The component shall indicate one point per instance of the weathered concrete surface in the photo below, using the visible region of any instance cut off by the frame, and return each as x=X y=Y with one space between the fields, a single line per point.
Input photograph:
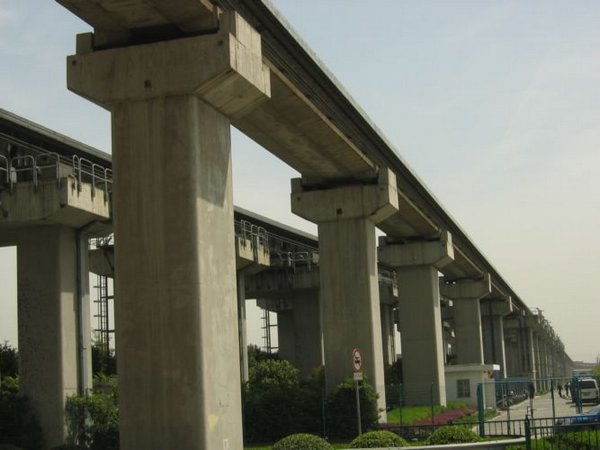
x=416 y=266
x=350 y=314
x=467 y=316
x=299 y=332
x=47 y=317
x=176 y=318
x=53 y=202
x=492 y=322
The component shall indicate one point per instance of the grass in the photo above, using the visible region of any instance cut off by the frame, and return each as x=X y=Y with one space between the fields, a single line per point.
x=412 y=414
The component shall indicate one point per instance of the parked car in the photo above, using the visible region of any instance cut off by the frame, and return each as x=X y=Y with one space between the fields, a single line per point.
x=590 y=418
x=589 y=390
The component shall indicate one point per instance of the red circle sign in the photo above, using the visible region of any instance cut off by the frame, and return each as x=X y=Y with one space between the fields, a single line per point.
x=356 y=360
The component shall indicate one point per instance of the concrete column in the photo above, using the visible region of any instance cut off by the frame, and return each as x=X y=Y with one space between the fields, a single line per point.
x=175 y=271
x=350 y=312
x=494 y=351
x=242 y=333
x=387 y=334
x=467 y=316
x=47 y=319
x=511 y=345
x=417 y=265
x=529 y=352
x=299 y=332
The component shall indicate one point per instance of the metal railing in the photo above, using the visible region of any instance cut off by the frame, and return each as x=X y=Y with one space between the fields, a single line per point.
x=96 y=175
x=33 y=165
x=550 y=436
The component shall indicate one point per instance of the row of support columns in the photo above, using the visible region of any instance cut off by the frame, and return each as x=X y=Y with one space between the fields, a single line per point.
x=176 y=281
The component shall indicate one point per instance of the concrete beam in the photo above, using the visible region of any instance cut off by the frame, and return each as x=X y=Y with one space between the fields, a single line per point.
x=437 y=253
x=60 y=203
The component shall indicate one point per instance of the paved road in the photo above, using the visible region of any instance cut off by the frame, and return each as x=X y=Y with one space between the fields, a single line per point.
x=542 y=407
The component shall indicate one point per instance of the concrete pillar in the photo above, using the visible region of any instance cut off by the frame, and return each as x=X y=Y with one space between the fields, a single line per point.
x=467 y=316
x=350 y=312
x=387 y=334
x=175 y=272
x=529 y=351
x=299 y=332
x=494 y=351
x=511 y=345
x=47 y=319
x=417 y=265
x=242 y=333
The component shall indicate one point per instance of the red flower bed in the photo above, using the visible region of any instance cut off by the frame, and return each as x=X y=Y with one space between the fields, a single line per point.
x=446 y=417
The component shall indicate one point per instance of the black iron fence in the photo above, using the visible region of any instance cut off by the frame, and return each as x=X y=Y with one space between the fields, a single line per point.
x=540 y=434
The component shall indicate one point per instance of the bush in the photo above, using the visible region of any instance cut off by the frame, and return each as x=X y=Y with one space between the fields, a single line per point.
x=302 y=441
x=452 y=435
x=9 y=361
x=341 y=409
x=377 y=439
x=93 y=421
x=276 y=405
x=273 y=373
x=18 y=422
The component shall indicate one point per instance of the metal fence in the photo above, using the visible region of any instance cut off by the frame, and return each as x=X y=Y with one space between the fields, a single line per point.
x=550 y=436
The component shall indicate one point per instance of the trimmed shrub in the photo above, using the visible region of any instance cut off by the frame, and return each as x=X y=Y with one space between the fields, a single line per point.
x=452 y=435
x=341 y=409
x=272 y=414
x=302 y=441
x=378 y=439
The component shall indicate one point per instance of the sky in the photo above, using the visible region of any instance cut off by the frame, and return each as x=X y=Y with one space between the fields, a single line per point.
x=494 y=104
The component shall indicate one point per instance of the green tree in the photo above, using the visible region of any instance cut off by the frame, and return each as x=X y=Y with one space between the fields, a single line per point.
x=341 y=409
x=276 y=404
x=271 y=373
x=9 y=361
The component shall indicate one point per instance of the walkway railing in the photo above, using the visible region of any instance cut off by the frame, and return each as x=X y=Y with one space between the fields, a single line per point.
x=33 y=166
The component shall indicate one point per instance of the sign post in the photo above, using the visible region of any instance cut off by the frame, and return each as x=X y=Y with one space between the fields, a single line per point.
x=356 y=367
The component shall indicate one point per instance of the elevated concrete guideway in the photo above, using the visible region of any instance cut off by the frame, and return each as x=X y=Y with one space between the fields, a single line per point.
x=175 y=75
x=309 y=121
x=299 y=326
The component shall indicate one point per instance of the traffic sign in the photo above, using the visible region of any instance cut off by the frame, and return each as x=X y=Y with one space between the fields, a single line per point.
x=356 y=360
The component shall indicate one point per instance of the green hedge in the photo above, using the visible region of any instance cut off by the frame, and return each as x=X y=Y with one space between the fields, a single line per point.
x=377 y=439
x=452 y=435
x=341 y=410
x=302 y=441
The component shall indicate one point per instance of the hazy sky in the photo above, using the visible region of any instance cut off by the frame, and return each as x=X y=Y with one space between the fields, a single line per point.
x=494 y=104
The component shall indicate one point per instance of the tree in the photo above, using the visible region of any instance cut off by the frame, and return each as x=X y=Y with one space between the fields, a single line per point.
x=9 y=361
